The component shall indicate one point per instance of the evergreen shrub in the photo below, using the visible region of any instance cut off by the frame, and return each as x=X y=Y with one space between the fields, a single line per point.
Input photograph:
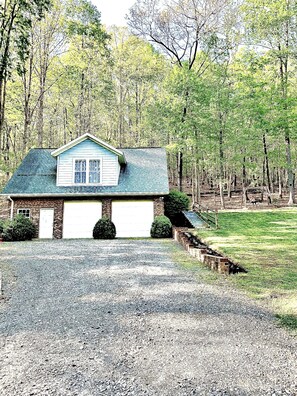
x=174 y=203
x=104 y=229
x=19 y=229
x=161 y=227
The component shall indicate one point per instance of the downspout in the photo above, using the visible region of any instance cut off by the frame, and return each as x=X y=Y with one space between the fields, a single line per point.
x=11 y=207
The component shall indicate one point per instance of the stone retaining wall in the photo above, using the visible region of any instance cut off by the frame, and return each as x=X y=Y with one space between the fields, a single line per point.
x=214 y=261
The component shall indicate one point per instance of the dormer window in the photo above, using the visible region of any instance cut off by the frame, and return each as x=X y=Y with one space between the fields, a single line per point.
x=88 y=161
x=94 y=171
x=87 y=171
x=80 y=173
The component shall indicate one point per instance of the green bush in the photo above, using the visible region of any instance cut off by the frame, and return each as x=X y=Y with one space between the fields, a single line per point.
x=161 y=227
x=1 y=226
x=174 y=203
x=19 y=229
x=104 y=229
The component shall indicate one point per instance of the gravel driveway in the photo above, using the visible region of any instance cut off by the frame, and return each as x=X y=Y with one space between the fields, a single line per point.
x=121 y=317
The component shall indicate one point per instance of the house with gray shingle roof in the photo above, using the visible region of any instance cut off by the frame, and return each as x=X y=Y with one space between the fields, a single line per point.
x=65 y=191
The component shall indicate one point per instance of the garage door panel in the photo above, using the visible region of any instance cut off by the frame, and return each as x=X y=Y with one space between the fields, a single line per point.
x=80 y=218
x=133 y=218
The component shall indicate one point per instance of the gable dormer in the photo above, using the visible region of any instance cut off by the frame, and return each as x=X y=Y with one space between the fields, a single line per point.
x=88 y=161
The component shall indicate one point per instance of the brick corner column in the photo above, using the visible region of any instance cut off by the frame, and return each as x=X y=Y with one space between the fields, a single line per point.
x=158 y=206
x=58 y=219
x=106 y=207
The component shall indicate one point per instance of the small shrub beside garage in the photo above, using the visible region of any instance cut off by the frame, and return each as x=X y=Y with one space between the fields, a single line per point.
x=161 y=227
x=1 y=227
x=18 y=229
x=174 y=203
x=104 y=229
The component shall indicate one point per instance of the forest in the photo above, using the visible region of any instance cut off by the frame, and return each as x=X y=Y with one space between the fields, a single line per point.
x=213 y=81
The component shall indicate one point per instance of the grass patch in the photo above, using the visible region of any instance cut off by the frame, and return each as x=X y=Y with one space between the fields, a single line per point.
x=264 y=243
x=288 y=321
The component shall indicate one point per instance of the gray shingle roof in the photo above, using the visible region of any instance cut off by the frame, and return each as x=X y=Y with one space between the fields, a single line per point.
x=144 y=174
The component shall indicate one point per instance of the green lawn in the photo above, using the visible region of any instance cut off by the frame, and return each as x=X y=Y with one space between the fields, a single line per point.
x=265 y=244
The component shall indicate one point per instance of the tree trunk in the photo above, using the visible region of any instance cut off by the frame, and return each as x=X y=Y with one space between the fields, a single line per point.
x=221 y=182
x=280 y=190
x=266 y=167
x=289 y=169
x=193 y=184
x=180 y=153
x=27 y=87
x=80 y=129
x=244 y=188
x=230 y=186
x=2 y=108
x=284 y=64
x=5 y=37
x=180 y=170
x=90 y=109
x=40 y=117
x=6 y=152
x=197 y=183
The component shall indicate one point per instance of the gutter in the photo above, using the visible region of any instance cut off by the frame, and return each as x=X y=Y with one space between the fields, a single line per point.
x=11 y=207
x=81 y=194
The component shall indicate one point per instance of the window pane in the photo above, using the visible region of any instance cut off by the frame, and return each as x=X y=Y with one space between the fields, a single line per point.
x=94 y=171
x=80 y=177
x=94 y=165
x=80 y=174
x=77 y=177
x=80 y=165
x=24 y=212
x=94 y=178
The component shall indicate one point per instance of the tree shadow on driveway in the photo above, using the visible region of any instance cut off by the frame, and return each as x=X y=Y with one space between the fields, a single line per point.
x=120 y=317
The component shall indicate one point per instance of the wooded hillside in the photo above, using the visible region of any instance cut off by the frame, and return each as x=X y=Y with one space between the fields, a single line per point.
x=212 y=80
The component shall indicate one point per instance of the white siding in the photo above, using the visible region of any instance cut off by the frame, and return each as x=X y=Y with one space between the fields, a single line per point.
x=88 y=150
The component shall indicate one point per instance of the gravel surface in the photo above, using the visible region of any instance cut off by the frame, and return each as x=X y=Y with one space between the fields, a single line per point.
x=121 y=317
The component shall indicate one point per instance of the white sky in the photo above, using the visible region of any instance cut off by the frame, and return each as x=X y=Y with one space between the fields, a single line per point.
x=113 y=11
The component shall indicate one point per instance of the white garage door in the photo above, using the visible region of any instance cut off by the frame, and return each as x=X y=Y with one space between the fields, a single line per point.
x=133 y=218
x=80 y=217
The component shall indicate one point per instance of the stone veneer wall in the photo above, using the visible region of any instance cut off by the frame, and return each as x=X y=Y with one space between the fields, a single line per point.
x=42 y=203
